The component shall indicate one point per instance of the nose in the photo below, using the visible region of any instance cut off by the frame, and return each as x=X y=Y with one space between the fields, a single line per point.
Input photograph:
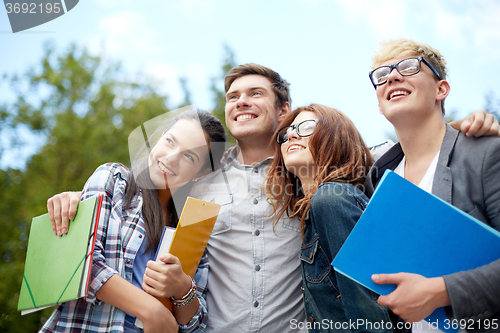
x=174 y=157
x=394 y=76
x=242 y=101
x=293 y=134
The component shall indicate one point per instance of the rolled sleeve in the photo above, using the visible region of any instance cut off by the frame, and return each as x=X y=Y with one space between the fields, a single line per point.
x=100 y=272
x=103 y=181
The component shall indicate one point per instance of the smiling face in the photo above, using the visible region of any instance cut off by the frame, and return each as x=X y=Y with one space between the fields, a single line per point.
x=251 y=114
x=179 y=156
x=296 y=154
x=402 y=98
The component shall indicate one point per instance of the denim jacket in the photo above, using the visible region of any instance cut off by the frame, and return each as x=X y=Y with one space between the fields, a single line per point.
x=333 y=302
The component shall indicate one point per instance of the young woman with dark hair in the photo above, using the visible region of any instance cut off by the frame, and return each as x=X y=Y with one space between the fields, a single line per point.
x=137 y=204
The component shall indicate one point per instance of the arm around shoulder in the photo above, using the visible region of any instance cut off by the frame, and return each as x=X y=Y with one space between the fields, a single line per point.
x=478 y=124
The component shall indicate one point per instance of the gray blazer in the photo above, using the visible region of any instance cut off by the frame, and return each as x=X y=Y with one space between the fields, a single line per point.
x=468 y=177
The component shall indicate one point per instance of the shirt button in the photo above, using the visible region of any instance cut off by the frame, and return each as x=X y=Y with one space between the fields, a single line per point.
x=256 y=304
x=140 y=236
x=257 y=232
x=257 y=268
x=255 y=201
x=310 y=319
x=128 y=262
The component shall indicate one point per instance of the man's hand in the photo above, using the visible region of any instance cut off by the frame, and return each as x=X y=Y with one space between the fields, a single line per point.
x=62 y=208
x=415 y=297
x=166 y=278
x=478 y=124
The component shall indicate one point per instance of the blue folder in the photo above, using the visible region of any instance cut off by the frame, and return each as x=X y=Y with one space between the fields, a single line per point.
x=406 y=229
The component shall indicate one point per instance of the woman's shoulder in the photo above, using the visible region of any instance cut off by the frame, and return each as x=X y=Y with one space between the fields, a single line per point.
x=107 y=177
x=114 y=168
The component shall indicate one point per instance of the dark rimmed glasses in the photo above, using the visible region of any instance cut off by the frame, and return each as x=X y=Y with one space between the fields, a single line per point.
x=406 y=67
x=304 y=128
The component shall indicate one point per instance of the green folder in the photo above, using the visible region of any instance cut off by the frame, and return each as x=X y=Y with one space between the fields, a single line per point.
x=57 y=269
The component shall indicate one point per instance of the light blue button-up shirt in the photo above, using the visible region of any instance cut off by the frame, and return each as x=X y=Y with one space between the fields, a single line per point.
x=254 y=282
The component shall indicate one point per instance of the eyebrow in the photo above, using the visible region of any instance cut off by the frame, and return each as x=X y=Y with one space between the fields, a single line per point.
x=250 y=89
x=189 y=150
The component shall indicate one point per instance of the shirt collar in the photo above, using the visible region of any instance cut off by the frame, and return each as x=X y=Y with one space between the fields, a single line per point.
x=230 y=158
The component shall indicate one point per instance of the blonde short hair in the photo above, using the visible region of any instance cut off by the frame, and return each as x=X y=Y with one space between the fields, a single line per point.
x=397 y=48
x=401 y=47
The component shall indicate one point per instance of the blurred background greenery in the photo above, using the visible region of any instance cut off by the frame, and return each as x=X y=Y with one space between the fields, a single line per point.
x=78 y=109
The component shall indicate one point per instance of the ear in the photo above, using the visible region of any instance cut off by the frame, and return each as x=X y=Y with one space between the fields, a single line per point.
x=443 y=90
x=283 y=111
x=380 y=110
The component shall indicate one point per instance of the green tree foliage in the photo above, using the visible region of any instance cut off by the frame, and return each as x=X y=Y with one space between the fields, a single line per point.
x=82 y=111
x=219 y=94
x=77 y=110
x=492 y=104
x=185 y=90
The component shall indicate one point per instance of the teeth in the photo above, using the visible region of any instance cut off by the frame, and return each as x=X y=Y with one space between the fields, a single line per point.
x=245 y=117
x=295 y=147
x=398 y=92
x=164 y=169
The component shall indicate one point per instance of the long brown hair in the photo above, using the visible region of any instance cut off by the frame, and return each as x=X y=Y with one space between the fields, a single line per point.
x=339 y=153
x=139 y=180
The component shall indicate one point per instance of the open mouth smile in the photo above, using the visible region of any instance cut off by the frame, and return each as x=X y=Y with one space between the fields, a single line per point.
x=398 y=93
x=246 y=116
x=165 y=169
x=295 y=147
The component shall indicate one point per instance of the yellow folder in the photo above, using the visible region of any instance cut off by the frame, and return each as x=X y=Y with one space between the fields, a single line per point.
x=191 y=236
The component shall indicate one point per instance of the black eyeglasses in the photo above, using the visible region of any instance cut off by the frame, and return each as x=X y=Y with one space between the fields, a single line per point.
x=304 y=128
x=406 y=67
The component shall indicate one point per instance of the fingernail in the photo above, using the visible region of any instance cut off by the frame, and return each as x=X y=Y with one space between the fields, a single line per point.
x=71 y=218
x=64 y=231
x=375 y=277
x=59 y=233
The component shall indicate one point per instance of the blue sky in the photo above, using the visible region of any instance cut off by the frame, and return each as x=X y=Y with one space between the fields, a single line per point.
x=322 y=47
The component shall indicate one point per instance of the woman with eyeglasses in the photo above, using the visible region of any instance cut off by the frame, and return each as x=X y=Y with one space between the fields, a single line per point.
x=318 y=172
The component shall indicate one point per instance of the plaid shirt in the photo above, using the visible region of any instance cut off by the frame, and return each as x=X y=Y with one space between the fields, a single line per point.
x=119 y=237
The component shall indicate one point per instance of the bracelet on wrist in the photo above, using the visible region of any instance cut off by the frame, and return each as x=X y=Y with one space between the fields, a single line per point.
x=186 y=299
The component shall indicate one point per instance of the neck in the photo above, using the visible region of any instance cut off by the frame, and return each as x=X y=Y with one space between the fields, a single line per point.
x=251 y=154
x=420 y=140
x=306 y=184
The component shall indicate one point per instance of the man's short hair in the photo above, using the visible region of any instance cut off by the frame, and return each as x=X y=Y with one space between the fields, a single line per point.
x=401 y=47
x=280 y=86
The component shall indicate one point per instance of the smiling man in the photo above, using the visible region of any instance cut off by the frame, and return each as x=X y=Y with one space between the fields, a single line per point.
x=410 y=83
x=254 y=282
